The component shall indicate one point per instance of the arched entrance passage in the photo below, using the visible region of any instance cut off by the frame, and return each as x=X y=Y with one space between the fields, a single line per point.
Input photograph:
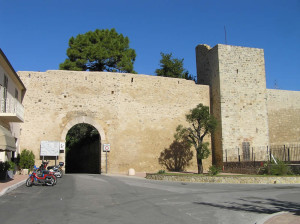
x=94 y=145
x=83 y=149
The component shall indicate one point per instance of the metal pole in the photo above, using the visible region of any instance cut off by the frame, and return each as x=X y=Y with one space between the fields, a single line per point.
x=106 y=162
x=284 y=154
x=225 y=35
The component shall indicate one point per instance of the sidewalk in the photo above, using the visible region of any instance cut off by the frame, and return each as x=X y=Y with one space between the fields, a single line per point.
x=9 y=185
x=281 y=218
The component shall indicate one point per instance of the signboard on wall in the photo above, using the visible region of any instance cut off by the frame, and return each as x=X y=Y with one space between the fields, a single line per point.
x=50 y=148
x=62 y=146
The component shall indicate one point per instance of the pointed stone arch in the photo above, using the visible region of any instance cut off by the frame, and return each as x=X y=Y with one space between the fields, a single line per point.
x=86 y=120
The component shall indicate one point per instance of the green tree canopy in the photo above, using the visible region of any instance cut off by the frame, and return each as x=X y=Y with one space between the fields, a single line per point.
x=172 y=67
x=101 y=50
x=202 y=123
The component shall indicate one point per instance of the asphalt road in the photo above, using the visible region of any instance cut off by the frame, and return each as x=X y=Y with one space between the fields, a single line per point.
x=86 y=198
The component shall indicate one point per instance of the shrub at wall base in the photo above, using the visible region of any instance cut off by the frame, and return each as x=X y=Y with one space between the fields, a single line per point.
x=4 y=166
x=26 y=161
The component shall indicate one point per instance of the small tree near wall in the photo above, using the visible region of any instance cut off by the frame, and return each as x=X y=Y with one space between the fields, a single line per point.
x=202 y=123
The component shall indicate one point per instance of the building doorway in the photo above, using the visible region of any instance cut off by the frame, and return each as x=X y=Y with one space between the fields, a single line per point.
x=83 y=149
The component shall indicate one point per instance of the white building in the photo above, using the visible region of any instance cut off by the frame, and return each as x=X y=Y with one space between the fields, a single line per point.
x=12 y=91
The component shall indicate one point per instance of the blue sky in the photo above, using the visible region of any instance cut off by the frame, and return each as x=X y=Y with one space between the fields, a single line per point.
x=35 y=33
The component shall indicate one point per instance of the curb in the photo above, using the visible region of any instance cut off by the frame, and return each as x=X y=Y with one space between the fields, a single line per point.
x=280 y=218
x=12 y=187
x=263 y=220
x=121 y=175
x=236 y=179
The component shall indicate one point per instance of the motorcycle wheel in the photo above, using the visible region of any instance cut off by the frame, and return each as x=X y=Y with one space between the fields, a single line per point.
x=51 y=183
x=60 y=174
x=29 y=182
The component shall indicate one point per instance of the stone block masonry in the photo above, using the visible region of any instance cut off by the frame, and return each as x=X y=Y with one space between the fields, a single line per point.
x=284 y=116
x=234 y=179
x=136 y=114
x=238 y=95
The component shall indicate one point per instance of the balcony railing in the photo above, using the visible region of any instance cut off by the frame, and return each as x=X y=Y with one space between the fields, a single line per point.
x=11 y=110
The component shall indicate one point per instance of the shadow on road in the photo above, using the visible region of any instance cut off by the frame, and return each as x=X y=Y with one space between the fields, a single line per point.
x=258 y=205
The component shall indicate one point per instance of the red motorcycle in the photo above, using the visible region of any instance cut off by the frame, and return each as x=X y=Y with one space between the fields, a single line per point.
x=41 y=178
x=43 y=169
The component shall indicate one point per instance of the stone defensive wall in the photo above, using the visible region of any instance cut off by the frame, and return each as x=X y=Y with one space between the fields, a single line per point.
x=283 y=116
x=136 y=114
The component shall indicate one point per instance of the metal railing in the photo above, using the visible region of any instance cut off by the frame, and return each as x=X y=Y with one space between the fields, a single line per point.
x=287 y=153
x=250 y=160
x=9 y=104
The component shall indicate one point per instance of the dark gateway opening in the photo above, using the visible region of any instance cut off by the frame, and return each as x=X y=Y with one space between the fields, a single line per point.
x=83 y=149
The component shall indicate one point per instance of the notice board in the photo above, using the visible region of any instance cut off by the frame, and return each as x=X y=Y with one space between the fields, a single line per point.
x=50 y=148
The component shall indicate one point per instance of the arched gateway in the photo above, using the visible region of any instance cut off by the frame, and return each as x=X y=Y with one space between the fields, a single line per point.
x=97 y=126
x=79 y=120
x=136 y=114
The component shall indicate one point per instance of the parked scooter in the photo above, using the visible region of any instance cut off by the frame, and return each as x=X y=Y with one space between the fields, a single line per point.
x=58 y=172
x=43 y=170
x=40 y=179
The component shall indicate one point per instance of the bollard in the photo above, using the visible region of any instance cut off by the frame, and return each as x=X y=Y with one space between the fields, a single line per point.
x=131 y=172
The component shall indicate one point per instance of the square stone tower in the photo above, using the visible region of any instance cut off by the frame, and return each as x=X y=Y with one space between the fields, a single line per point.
x=236 y=76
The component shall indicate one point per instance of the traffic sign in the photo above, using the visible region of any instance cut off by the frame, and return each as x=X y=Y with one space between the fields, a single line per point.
x=62 y=146
x=106 y=147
